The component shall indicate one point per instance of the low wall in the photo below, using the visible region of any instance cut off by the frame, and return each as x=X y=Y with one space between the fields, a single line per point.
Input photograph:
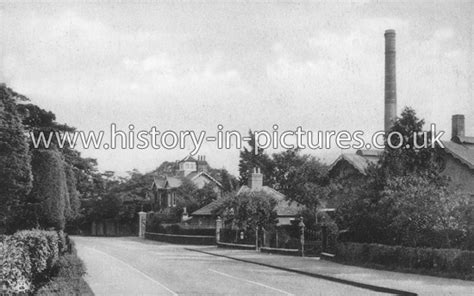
x=293 y=252
x=181 y=239
x=236 y=246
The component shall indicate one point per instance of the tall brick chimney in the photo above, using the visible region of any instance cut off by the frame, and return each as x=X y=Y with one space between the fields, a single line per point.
x=457 y=125
x=390 y=80
x=255 y=180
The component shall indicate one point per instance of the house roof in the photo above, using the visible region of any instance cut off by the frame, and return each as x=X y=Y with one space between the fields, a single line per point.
x=167 y=182
x=194 y=175
x=360 y=161
x=461 y=148
x=284 y=208
x=188 y=158
x=209 y=209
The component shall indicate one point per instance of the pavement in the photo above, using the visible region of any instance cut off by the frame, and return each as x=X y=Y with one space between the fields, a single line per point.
x=133 y=266
x=372 y=279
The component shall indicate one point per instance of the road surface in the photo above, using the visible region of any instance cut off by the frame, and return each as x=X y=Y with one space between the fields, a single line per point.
x=132 y=266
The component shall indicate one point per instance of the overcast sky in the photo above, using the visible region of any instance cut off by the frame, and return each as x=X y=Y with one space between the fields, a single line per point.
x=246 y=66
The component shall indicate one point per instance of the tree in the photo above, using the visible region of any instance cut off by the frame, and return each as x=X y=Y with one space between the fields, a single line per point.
x=15 y=168
x=193 y=197
x=206 y=194
x=108 y=207
x=228 y=181
x=50 y=189
x=37 y=120
x=250 y=210
x=404 y=199
x=422 y=211
x=251 y=158
x=408 y=158
x=301 y=178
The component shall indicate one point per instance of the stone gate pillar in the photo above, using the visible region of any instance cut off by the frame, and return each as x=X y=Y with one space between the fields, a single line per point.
x=141 y=224
x=301 y=226
x=218 y=229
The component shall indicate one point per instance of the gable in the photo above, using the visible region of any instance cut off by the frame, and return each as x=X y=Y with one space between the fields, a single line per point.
x=204 y=178
x=343 y=169
x=353 y=164
x=463 y=151
x=462 y=177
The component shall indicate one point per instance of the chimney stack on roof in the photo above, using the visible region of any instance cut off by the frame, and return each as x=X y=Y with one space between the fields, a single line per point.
x=256 y=180
x=390 y=80
x=457 y=126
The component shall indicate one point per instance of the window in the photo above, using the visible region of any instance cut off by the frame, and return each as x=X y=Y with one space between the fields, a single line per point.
x=173 y=198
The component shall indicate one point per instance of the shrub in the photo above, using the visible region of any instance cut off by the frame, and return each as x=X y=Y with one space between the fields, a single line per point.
x=450 y=262
x=16 y=266
x=36 y=244
x=30 y=256
x=152 y=222
x=66 y=277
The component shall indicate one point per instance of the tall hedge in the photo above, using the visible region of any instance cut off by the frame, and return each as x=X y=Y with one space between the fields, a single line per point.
x=50 y=190
x=15 y=169
x=73 y=203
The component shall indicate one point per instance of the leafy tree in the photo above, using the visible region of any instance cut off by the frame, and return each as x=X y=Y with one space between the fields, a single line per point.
x=251 y=158
x=187 y=193
x=418 y=209
x=15 y=168
x=206 y=194
x=49 y=188
x=167 y=168
x=229 y=182
x=250 y=210
x=193 y=197
x=301 y=178
x=133 y=188
x=109 y=206
x=37 y=120
x=404 y=199
x=408 y=158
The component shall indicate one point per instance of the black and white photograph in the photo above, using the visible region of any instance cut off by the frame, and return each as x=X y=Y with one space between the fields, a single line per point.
x=237 y=147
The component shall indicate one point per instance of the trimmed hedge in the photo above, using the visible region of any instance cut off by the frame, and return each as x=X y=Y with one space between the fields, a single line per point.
x=29 y=257
x=445 y=262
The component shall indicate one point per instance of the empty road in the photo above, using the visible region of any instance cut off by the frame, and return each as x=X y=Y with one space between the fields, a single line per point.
x=132 y=266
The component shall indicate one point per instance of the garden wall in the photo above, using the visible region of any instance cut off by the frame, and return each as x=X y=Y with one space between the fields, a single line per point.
x=182 y=239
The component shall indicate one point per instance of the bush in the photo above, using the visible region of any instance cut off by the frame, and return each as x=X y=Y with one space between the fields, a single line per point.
x=447 y=262
x=66 y=278
x=16 y=266
x=30 y=256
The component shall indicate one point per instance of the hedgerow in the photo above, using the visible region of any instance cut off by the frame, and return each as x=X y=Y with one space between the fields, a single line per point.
x=29 y=257
x=445 y=262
